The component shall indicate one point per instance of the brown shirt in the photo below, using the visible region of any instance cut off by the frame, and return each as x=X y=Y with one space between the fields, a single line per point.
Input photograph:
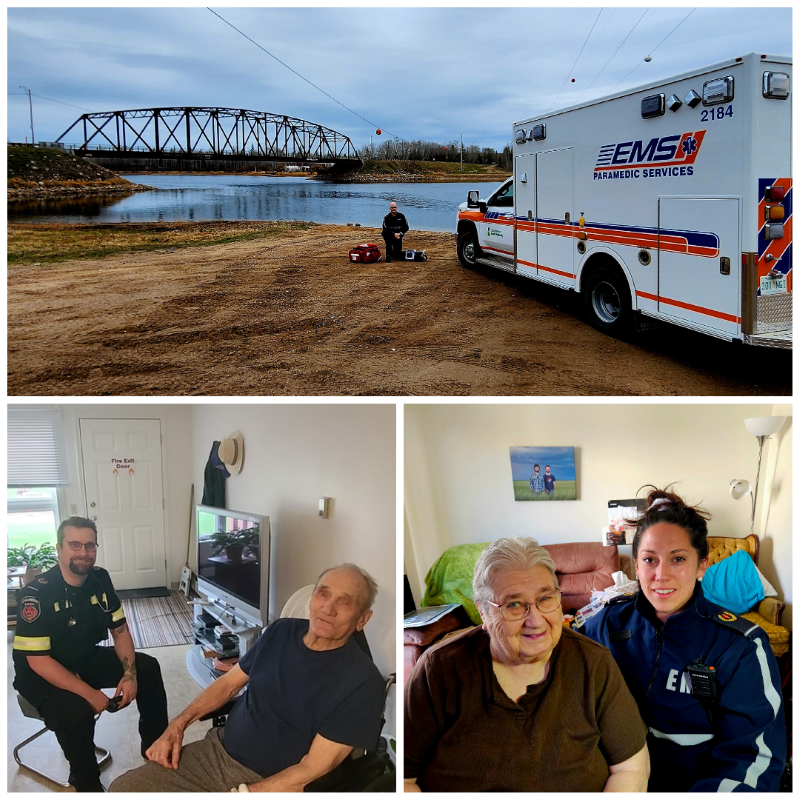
x=464 y=734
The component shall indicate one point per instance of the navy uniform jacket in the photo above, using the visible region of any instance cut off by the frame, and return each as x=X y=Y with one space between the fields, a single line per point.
x=745 y=748
x=62 y=621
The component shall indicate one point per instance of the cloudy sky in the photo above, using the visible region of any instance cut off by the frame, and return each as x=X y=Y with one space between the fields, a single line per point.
x=417 y=73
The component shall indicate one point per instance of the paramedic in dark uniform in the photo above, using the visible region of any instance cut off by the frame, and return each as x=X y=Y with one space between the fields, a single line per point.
x=63 y=615
x=394 y=226
x=705 y=679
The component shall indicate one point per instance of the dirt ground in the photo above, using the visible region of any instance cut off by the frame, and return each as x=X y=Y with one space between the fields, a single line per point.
x=290 y=315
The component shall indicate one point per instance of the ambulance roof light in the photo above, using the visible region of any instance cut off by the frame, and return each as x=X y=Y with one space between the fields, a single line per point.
x=775 y=85
x=653 y=106
x=718 y=90
x=673 y=102
x=692 y=98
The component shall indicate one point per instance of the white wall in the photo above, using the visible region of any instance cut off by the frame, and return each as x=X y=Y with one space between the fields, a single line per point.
x=458 y=485
x=295 y=454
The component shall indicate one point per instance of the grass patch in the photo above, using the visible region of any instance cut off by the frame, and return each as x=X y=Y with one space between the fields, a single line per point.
x=565 y=490
x=47 y=244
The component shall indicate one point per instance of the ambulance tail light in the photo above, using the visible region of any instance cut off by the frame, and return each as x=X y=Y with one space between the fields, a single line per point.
x=775 y=85
x=775 y=194
x=774 y=212
x=773 y=230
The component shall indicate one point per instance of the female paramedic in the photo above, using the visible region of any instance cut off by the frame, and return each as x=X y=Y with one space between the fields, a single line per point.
x=705 y=680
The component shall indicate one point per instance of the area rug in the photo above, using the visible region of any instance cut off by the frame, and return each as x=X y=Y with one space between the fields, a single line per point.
x=135 y=594
x=159 y=621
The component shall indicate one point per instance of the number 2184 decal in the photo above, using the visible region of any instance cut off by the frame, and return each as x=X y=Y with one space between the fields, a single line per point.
x=709 y=114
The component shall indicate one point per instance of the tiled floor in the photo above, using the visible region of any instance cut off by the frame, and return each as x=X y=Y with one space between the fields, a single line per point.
x=116 y=732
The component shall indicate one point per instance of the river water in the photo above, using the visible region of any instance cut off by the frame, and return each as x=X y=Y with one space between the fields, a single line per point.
x=427 y=206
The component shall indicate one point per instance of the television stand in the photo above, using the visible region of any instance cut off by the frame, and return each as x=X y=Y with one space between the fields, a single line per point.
x=199 y=665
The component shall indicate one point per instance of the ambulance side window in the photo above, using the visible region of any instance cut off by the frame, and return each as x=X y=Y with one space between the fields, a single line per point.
x=503 y=198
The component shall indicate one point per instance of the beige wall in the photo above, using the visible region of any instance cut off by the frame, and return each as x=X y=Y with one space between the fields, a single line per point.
x=458 y=474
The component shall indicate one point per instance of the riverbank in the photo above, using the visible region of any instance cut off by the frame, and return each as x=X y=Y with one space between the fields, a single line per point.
x=41 y=173
x=415 y=172
x=235 y=308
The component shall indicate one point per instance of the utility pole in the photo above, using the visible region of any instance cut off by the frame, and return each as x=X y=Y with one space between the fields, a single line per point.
x=30 y=104
x=462 y=152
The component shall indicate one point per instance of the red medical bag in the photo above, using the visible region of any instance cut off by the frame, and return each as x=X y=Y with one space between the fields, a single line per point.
x=366 y=253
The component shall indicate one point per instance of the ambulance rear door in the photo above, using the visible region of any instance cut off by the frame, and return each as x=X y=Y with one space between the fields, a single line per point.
x=699 y=263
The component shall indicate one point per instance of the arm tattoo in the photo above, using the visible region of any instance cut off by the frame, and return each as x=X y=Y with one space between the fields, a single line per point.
x=120 y=630
x=128 y=670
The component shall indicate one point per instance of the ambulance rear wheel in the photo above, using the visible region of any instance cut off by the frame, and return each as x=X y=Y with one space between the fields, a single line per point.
x=468 y=250
x=608 y=301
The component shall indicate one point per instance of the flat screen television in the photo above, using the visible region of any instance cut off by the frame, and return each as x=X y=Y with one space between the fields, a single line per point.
x=233 y=561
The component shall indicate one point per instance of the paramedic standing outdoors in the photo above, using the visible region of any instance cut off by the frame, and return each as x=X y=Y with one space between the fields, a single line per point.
x=394 y=226
x=63 y=615
x=670 y=630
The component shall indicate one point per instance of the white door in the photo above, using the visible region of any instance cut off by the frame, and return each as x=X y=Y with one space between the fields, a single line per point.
x=525 y=198
x=496 y=232
x=124 y=494
x=555 y=215
x=699 y=262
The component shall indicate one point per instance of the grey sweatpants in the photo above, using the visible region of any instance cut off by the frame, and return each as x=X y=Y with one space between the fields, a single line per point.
x=204 y=767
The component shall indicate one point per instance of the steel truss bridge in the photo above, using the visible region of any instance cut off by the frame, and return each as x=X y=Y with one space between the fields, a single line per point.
x=227 y=134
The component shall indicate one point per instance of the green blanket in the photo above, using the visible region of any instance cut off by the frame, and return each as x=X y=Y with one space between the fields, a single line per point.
x=449 y=580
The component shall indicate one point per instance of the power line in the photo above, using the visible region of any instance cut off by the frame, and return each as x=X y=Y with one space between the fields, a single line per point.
x=298 y=74
x=42 y=97
x=615 y=52
x=639 y=63
x=576 y=60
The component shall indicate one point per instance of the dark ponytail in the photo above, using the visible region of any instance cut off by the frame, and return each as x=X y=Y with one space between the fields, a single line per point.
x=666 y=506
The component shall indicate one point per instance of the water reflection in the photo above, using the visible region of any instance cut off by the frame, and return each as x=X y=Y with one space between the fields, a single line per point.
x=61 y=206
x=428 y=206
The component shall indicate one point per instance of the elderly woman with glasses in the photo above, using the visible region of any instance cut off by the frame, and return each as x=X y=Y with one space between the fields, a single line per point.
x=521 y=703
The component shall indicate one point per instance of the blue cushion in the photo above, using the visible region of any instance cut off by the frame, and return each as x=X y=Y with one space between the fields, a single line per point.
x=733 y=583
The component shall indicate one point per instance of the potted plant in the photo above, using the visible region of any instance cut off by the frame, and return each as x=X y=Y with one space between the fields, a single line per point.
x=234 y=542
x=33 y=556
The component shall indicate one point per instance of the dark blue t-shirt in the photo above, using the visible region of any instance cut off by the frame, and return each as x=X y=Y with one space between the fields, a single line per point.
x=294 y=693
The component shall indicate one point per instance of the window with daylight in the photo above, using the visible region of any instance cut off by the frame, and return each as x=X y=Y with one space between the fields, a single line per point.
x=37 y=467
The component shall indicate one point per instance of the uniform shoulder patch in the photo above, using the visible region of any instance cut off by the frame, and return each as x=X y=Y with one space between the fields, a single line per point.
x=733 y=622
x=30 y=609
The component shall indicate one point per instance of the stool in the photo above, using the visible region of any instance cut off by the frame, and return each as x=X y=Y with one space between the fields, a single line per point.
x=29 y=711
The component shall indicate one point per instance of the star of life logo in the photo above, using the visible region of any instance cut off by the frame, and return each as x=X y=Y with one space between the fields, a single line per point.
x=664 y=156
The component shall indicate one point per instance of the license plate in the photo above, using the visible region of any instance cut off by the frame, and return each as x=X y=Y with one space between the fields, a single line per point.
x=773 y=286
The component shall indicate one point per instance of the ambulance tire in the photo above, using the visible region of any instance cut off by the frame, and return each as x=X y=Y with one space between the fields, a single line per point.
x=468 y=250
x=608 y=301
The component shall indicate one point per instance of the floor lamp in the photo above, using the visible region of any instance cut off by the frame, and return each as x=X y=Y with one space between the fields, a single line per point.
x=762 y=428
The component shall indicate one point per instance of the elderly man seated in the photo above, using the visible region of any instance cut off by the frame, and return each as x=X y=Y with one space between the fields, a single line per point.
x=521 y=703
x=312 y=696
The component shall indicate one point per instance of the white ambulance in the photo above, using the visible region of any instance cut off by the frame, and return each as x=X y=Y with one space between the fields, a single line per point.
x=670 y=202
